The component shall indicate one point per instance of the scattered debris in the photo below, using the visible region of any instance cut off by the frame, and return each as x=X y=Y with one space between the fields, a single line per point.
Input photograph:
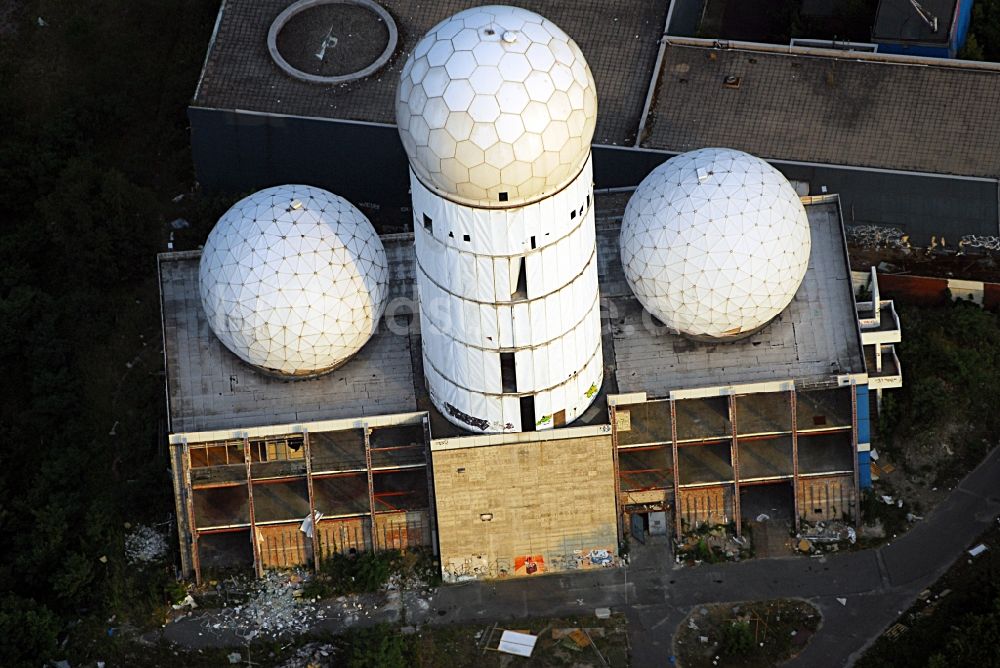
x=602 y=613
x=234 y=657
x=309 y=522
x=145 y=545
x=311 y=655
x=978 y=549
x=896 y=630
x=42 y=22
x=188 y=602
x=763 y=517
x=273 y=608
x=179 y=223
x=888 y=500
x=842 y=601
x=517 y=643
x=805 y=545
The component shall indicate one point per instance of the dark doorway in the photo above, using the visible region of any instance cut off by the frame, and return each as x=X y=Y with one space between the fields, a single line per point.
x=508 y=373
x=637 y=526
x=775 y=500
x=521 y=283
x=528 y=413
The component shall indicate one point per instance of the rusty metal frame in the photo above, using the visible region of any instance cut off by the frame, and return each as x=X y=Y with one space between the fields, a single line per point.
x=677 y=473
x=612 y=414
x=793 y=404
x=734 y=456
x=431 y=497
x=189 y=490
x=371 y=485
x=254 y=545
x=312 y=501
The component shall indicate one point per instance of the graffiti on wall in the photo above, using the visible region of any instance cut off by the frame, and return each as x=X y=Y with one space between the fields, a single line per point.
x=984 y=242
x=877 y=236
x=529 y=564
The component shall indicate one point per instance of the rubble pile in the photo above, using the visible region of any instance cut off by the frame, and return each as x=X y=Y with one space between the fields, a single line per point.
x=275 y=607
x=145 y=545
x=310 y=655
x=829 y=534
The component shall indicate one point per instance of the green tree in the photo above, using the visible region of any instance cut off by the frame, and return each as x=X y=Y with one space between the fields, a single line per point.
x=27 y=631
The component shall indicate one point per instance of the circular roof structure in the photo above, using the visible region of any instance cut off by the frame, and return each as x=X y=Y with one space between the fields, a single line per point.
x=715 y=243
x=332 y=41
x=293 y=280
x=496 y=107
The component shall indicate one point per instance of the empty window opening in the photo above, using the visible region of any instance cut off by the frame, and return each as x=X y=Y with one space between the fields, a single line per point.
x=466 y=237
x=581 y=211
x=819 y=420
x=572 y=214
x=503 y=197
x=521 y=283
x=559 y=419
x=428 y=224
x=533 y=246
x=588 y=201
x=527 y=413
x=508 y=372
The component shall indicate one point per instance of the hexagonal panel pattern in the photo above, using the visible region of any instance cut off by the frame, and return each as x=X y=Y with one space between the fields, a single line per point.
x=496 y=107
x=293 y=280
x=715 y=243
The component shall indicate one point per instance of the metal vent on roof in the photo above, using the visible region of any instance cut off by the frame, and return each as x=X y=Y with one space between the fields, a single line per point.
x=732 y=81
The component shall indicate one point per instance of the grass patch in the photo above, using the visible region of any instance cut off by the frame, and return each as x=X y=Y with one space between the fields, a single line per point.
x=361 y=572
x=749 y=635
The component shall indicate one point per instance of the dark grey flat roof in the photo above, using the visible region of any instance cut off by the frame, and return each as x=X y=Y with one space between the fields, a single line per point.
x=899 y=21
x=812 y=340
x=620 y=40
x=840 y=111
x=209 y=388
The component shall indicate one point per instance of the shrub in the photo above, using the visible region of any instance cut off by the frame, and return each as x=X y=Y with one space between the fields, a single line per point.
x=737 y=639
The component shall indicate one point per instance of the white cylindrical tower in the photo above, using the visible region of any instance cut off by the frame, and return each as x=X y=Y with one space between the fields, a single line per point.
x=496 y=109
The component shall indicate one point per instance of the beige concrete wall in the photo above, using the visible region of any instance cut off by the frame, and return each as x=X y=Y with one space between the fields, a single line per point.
x=826 y=498
x=552 y=500
x=706 y=505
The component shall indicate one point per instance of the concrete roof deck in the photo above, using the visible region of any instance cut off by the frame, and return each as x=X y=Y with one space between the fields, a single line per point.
x=210 y=389
x=619 y=37
x=815 y=338
x=843 y=110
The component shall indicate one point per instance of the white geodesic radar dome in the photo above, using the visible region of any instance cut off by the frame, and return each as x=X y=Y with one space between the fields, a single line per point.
x=715 y=243
x=496 y=107
x=293 y=280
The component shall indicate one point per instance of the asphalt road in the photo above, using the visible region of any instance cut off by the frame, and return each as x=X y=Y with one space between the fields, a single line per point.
x=656 y=595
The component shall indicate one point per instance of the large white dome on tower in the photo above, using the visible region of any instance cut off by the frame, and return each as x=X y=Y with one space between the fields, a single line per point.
x=496 y=107
x=293 y=280
x=715 y=243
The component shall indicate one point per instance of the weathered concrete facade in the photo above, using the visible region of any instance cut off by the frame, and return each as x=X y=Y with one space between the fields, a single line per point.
x=525 y=504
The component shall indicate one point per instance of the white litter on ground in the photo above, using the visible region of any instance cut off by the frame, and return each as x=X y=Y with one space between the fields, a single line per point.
x=145 y=545
x=274 y=608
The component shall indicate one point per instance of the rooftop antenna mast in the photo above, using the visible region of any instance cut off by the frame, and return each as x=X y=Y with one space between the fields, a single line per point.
x=928 y=18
